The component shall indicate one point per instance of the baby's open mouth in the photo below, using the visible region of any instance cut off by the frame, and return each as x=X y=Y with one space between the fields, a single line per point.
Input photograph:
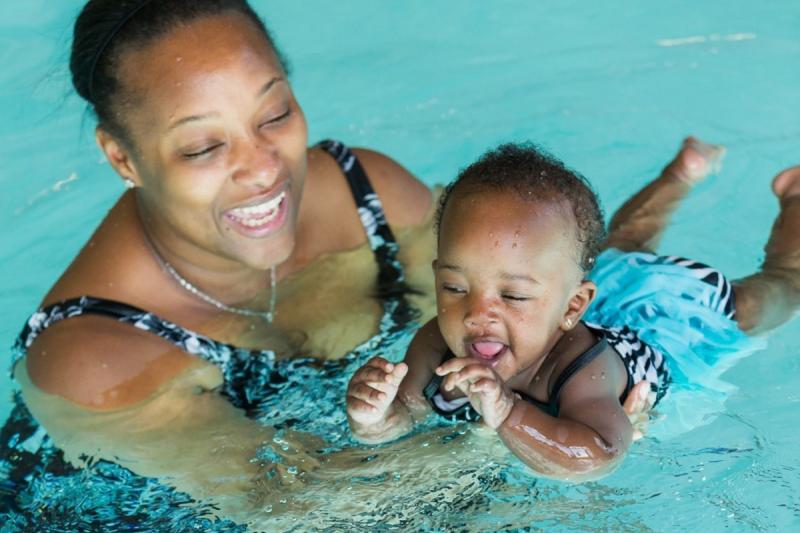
x=487 y=350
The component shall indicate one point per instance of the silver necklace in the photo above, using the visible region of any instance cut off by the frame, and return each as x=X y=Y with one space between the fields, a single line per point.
x=183 y=282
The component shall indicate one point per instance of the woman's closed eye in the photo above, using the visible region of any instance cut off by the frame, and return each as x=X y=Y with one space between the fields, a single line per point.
x=200 y=152
x=275 y=119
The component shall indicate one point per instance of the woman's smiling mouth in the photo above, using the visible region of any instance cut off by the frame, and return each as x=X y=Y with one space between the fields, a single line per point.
x=260 y=219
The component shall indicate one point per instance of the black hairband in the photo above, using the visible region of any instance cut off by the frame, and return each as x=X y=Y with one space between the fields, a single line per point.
x=113 y=33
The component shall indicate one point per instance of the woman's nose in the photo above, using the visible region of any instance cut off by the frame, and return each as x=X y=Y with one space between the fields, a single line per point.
x=257 y=164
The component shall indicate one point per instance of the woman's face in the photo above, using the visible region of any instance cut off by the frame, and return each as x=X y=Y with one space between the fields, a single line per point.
x=218 y=143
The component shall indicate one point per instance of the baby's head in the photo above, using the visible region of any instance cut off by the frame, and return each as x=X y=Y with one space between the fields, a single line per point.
x=517 y=233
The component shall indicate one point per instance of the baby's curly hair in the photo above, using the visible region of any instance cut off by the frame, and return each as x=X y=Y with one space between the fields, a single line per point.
x=539 y=177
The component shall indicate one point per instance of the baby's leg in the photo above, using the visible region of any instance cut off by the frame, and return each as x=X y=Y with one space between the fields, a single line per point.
x=770 y=297
x=638 y=225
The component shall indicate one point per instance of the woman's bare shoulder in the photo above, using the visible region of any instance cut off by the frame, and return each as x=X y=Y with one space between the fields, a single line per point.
x=102 y=364
x=406 y=200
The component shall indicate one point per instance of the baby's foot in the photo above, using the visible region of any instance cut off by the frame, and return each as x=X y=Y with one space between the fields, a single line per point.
x=787 y=184
x=695 y=160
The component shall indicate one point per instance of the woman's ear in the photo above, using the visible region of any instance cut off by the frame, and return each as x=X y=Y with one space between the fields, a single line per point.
x=118 y=156
x=578 y=303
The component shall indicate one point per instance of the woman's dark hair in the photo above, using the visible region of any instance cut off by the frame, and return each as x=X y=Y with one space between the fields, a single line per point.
x=105 y=29
x=538 y=177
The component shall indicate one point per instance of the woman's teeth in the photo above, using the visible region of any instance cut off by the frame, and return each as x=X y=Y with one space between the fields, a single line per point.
x=258 y=215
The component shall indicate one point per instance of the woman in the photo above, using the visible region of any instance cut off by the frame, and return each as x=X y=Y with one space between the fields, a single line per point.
x=225 y=203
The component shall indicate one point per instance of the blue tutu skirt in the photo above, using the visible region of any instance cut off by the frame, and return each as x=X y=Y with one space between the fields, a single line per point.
x=685 y=310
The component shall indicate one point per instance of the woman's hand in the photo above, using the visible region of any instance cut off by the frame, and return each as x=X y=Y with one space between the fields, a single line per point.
x=637 y=406
x=486 y=390
x=372 y=390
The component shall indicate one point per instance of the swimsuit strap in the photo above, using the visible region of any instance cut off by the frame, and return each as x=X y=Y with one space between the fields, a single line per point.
x=238 y=365
x=370 y=209
x=577 y=364
x=392 y=287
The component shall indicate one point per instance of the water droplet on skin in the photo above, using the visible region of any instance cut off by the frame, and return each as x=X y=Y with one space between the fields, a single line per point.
x=514 y=245
x=594 y=377
x=602 y=375
x=496 y=244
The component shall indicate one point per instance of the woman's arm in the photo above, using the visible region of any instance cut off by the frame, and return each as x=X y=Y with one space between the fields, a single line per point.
x=106 y=390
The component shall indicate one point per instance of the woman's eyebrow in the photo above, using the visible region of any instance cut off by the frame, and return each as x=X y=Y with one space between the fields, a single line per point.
x=194 y=118
x=267 y=86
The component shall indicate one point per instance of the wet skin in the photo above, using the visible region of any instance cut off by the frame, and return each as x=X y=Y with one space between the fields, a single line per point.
x=509 y=297
x=213 y=132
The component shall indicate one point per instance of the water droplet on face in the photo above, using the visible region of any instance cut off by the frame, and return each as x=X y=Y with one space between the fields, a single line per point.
x=602 y=375
x=514 y=245
x=594 y=377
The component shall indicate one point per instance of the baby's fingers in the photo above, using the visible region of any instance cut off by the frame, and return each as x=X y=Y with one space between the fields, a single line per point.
x=380 y=363
x=370 y=374
x=366 y=394
x=467 y=375
x=639 y=400
x=485 y=386
x=453 y=365
x=399 y=372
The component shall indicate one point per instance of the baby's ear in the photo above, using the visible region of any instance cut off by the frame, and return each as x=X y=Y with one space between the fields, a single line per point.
x=578 y=303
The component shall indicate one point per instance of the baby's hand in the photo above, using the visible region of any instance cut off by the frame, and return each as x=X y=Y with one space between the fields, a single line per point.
x=372 y=390
x=487 y=392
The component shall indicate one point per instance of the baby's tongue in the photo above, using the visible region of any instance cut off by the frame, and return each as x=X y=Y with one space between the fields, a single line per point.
x=488 y=349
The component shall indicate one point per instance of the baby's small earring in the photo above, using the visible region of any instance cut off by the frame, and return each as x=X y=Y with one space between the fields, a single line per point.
x=129 y=183
x=568 y=323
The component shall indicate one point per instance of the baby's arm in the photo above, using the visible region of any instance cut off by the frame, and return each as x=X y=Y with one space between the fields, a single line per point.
x=588 y=438
x=384 y=399
x=591 y=434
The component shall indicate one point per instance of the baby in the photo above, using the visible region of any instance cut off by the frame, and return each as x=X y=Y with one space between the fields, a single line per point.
x=518 y=234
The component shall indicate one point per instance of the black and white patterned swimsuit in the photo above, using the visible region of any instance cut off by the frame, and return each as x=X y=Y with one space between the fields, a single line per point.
x=249 y=375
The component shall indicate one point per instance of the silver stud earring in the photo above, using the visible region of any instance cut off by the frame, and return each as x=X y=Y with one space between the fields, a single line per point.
x=568 y=323
x=129 y=184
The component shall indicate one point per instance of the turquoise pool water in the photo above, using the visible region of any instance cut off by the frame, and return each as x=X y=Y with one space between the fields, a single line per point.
x=609 y=87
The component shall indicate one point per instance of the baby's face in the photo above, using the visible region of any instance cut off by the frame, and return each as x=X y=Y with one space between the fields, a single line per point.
x=505 y=274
